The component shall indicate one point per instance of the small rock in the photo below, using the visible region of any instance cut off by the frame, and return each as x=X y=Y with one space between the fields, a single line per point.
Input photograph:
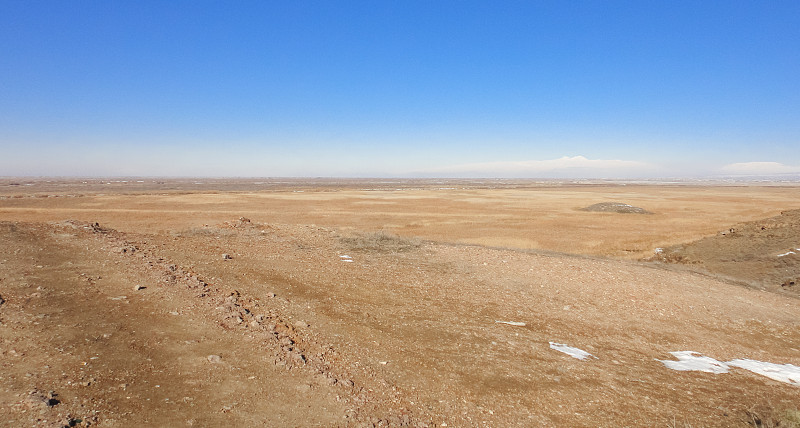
x=215 y=359
x=226 y=256
x=138 y=287
x=301 y=324
x=298 y=357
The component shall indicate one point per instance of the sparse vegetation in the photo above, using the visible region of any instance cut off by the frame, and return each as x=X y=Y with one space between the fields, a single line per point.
x=615 y=207
x=771 y=418
x=345 y=304
x=380 y=242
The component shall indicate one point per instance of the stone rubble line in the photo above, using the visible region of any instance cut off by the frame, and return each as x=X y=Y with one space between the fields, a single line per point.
x=235 y=313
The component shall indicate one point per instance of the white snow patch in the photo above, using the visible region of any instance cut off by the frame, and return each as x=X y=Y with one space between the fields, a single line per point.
x=692 y=361
x=658 y=250
x=518 y=324
x=572 y=352
x=786 y=253
x=781 y=372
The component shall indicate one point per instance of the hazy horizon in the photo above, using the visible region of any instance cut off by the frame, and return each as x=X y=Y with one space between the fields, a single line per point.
x=614 y=90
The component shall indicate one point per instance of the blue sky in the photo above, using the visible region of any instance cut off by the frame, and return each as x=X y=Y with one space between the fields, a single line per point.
x=409 y=88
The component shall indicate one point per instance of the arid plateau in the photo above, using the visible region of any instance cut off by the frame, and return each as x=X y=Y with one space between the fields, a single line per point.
x=144 y=302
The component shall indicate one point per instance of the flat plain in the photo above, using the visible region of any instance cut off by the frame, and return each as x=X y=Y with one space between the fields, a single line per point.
x=394 y=302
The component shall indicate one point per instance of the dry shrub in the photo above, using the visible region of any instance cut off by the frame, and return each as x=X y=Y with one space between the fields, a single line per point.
x=771 y=418
x=615 y=207
x=380 y=242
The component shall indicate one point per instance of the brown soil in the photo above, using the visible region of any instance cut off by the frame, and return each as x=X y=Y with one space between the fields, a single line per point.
x=762 y=254
x=141 y=320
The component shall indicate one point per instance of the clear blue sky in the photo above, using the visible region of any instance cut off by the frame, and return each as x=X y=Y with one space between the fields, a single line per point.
x=399 y=88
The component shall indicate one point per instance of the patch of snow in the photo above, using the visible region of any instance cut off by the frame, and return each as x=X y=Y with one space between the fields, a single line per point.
x=692 y=361
x=781 y=372
x=346 y=258
x=572 y=352
x=518 y=324
x=658 y=250
x=786 y=253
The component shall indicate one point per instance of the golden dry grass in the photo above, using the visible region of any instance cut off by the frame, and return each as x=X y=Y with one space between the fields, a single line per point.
x=546 y=217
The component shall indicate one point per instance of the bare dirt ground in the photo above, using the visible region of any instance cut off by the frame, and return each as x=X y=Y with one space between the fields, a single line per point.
x=763 y=254
x=358 y=304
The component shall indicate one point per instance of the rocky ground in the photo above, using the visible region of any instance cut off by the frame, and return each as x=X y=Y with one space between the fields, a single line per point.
x=763 y=254
x=246 y=323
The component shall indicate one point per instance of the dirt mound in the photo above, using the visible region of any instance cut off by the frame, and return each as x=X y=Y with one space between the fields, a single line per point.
x=615 y=207
x=764 y=253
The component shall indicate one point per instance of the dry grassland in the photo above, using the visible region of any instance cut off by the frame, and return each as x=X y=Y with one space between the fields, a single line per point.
x=323 y=303
x=521 y=217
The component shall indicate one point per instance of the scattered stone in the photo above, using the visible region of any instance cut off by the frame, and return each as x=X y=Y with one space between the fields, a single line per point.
x=298 y=357
x=226 y=256
x=138 y=287
x=214 y=359
x=300 y=324
x=49 y=398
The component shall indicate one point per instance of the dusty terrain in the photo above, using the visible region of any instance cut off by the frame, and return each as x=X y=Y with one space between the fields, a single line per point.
x=169 y=303
x=763 y=254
